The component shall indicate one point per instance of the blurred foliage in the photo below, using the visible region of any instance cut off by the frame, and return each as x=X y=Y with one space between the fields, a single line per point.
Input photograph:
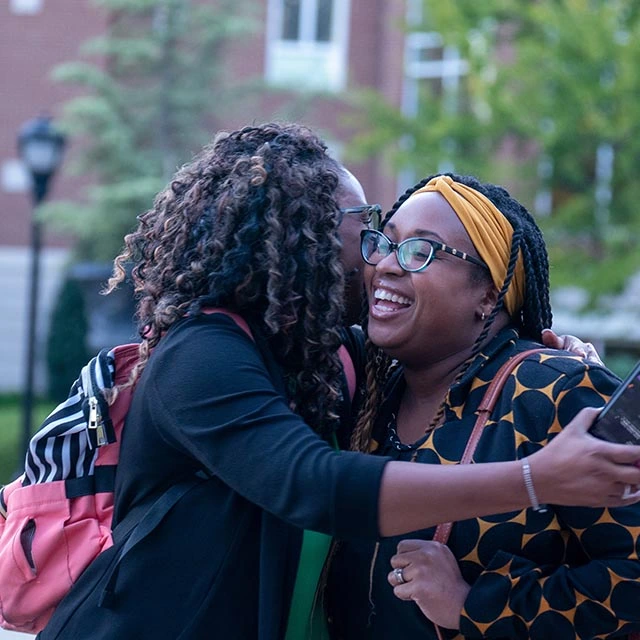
x=551 y=86
x=156 y=89
x=67 y=350
x=11 y=457
x=620 y=363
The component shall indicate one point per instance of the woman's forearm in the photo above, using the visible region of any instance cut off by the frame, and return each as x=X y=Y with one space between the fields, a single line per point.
x=416 y=496
x=574 y=469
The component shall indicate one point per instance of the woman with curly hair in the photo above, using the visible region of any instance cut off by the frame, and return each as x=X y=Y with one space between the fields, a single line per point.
x=465 y=262
x=253 y=226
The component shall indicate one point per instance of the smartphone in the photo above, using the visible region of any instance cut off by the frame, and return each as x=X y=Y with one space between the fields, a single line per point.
x=619 y=420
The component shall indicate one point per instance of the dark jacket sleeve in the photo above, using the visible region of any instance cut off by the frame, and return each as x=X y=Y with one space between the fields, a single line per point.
x=596 y=590
x=212 y=399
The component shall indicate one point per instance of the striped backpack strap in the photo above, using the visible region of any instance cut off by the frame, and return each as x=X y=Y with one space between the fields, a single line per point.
x=66 y=444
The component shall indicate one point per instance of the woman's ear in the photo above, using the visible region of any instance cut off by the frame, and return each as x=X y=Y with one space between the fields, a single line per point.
x=487 y=301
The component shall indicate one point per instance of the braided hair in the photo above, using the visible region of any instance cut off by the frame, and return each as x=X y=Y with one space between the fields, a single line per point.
x=534 y=316
x=251 y=224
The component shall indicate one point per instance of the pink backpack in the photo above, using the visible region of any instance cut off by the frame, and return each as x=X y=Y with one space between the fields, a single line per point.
x=57 y=515
x=56 y=518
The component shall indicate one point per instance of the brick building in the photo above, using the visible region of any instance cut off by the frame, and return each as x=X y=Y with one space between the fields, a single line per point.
x=330 y=46
x=34 y=37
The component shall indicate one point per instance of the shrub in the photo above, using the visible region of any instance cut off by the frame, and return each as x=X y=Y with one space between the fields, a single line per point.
x=67 y=349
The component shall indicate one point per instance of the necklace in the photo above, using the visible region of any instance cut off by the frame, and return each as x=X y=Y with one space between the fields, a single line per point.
x=394 y=439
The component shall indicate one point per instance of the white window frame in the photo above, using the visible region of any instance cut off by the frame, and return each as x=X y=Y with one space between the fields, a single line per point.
x=26 y=7
x=450 y=69
x=305 y=63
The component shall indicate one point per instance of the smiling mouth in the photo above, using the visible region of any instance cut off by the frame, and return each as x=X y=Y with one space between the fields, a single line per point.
x=388 y=301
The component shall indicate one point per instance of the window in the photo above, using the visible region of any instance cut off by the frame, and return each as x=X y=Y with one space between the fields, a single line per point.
x=14 y=177
x=432 y=72
x=26 y=7
x=307 y=44
x=436 y=67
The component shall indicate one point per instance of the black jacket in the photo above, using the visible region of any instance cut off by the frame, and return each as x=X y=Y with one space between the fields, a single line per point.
x=222 y=562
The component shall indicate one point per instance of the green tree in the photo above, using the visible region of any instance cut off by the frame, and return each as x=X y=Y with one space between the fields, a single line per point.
x=155 y=92
x=549 y=105
x=67 y=349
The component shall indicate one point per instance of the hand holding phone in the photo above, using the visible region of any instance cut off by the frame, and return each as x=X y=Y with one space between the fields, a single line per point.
x=619 y=420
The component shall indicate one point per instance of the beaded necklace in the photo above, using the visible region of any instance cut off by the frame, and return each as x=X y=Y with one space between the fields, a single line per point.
x=393 y=439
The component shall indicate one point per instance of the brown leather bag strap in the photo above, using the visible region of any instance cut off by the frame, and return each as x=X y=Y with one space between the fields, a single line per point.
x=443 y=530
x=484 y=411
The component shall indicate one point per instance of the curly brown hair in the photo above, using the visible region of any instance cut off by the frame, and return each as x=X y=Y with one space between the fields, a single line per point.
x=251 y=224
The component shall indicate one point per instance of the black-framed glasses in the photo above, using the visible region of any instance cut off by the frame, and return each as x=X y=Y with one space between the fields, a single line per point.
x=414 y=254
x=369 y=214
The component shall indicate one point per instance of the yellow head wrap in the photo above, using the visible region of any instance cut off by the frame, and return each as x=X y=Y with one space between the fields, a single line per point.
x=489 y=231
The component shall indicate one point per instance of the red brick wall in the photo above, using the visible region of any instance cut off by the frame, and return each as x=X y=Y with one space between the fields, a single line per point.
x=376 y=56
x=30 y=46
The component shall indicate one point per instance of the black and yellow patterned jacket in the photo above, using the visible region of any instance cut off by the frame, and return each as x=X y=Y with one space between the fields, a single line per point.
x=567 y=573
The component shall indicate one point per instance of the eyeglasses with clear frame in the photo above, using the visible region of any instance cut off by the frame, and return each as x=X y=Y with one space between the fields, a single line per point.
x=413 y=254
x=369 y=214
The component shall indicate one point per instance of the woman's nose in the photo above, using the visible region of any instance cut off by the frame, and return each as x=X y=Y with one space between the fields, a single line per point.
x=390 y=264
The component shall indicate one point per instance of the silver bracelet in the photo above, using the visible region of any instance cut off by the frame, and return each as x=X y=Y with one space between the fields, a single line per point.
x=528 y=483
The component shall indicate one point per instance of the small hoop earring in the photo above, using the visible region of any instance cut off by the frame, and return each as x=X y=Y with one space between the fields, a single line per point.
x=482 y=316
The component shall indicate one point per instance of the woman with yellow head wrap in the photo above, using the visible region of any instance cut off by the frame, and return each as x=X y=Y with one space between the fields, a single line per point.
x=458 y=283
x=490 y=232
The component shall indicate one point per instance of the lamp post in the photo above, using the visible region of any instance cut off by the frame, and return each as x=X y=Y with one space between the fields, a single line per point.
x=41 y=148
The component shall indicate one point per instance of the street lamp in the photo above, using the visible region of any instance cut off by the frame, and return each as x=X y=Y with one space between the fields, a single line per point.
x=41 y=148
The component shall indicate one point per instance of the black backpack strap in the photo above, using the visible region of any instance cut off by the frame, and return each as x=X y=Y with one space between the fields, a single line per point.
x=103 y=480
x=134 y=530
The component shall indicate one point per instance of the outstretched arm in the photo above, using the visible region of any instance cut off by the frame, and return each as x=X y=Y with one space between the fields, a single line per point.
x=574 y=469
x=212 y=413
